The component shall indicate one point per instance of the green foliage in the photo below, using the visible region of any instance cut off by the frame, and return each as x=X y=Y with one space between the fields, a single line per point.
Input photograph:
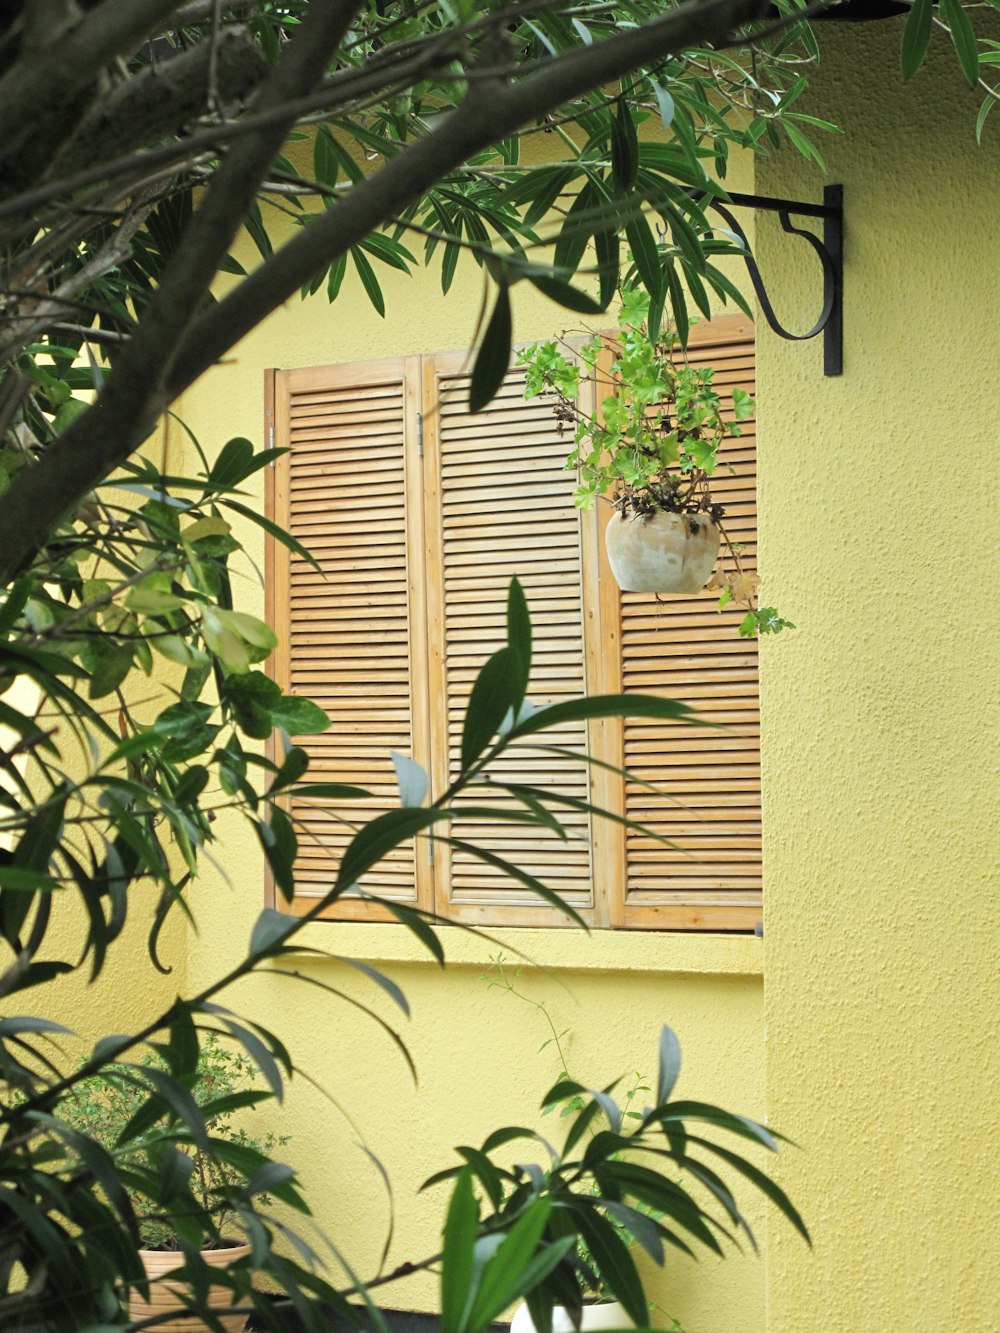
x=105 y=1107
x=132 y=699
x=137 y=1142
x=663 y=1178
x=653 y=441
x=763 y=620
x=502 y=977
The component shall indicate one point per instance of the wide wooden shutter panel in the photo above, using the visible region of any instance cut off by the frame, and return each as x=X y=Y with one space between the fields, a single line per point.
x=346 y=491
x=498 y=506
x=707 y=797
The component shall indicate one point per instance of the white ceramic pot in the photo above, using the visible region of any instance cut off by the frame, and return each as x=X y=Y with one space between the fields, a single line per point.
x=662 y=552
x=163 y=1293
x=605 y=1314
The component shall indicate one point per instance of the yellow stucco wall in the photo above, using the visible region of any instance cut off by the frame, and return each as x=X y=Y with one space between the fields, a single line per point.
x=879 y=520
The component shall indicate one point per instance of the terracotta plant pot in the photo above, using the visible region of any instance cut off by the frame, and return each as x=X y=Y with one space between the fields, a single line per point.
x=662 y=552
x=163 y=1293
x=605 y=1314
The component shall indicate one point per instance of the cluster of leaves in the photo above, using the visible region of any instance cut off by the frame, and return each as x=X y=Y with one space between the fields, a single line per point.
x=531 y=1218
x=120 y=587
x=113 y=1109
x=102 y=241
x=498 y=207
x=653 y=442
x=101 y=803
x=506 y=979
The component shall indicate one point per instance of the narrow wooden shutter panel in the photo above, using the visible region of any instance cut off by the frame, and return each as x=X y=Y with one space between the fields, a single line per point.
x=499 y=506
x=708 y=798
x=346 y=492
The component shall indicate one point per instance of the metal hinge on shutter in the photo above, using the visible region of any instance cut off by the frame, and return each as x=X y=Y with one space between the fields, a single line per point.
x=270 y=441
x=420 y=434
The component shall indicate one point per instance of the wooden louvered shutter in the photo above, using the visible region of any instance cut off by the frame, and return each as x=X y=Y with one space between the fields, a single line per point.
x=498 y=505
x=708 y=797
x=349 y=492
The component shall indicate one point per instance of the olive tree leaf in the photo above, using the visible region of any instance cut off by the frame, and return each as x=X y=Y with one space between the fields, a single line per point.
x=493 y=357
x=624 y=146
x=379 y=836
x=519 y=634
x=269 y=931
x=280 y=845
x=916 y=36
x=964 y=38
x=411 y=779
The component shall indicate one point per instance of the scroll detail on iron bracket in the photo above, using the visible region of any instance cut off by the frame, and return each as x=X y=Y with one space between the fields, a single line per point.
x=831 y=253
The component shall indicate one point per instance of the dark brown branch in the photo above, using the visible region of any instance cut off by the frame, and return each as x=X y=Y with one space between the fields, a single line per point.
x=42 y=92
x=163 y=99
x=199 y=11
x=232 y=191
x=335 y=93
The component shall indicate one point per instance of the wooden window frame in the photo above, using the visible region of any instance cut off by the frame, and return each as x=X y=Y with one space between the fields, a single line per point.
x=725 y=910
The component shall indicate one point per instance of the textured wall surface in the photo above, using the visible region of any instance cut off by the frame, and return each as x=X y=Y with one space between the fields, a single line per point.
x=879 y=523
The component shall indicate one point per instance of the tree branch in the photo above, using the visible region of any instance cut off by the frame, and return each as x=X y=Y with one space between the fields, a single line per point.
x=41 y=92
x=147 y=376
x=342 y=89
x=164 y=98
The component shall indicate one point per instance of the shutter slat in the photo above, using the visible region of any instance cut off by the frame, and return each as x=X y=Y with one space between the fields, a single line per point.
x=707 y=797
x=505 y=509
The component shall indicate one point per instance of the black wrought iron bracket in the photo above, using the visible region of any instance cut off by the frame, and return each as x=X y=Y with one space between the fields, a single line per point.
x=831 y=254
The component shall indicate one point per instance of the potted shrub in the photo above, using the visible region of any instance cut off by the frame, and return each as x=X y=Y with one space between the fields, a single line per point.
x=651 y=449
x=599 y=1309
x=654 y=1179
x=187 y=1182
x=605 y=1215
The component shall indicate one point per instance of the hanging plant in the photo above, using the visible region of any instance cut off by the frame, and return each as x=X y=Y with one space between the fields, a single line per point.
x=651 y=449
